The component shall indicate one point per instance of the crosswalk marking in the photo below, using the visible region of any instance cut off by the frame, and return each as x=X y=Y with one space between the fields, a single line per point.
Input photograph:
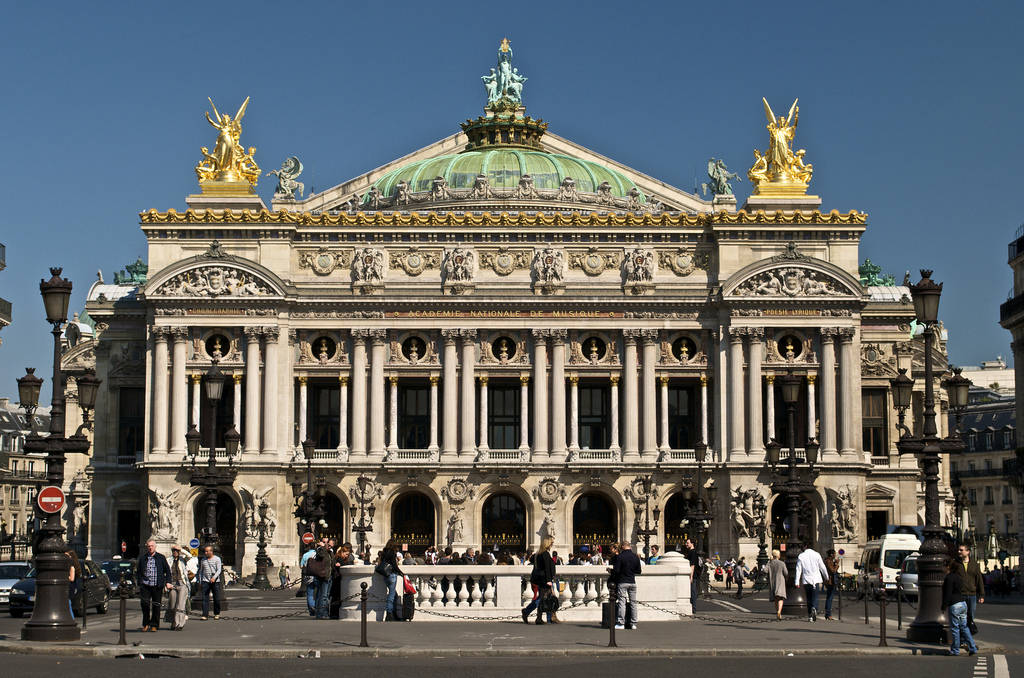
x=1001 y=668
x=996 y=622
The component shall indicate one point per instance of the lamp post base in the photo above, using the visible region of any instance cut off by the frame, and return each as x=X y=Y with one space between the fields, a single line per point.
x=51 y=633
x=796 y=601
x=928 y=632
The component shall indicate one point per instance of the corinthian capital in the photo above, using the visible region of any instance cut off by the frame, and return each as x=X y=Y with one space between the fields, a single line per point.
x=558 y=333
x=449 y=335
x=736 y=334
x=829 y=332
x=253 y=333
x=360 y=333
x=540 y=333
x=649 y=335
x=179 y=333
x=846 y=334
x=755 y=333
x=271 y=333
x=467 y=334
x=378 y=334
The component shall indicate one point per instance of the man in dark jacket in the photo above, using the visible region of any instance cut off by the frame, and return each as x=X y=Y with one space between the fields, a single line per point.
x=625 y=567
x=974 y=583
x=154 y=577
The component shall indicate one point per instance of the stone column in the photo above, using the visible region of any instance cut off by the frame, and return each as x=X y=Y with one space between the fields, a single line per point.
x=574 y=413
x=614 y=381
x=252 y=390
x=359 y=391
x=827 y=429
x=664 y=448
x=483 y=412
x=468 y=418
x=179 y=391
x=704 y=409
x=196 y=378
x=161 y=397
x=450 y=448
x=393 y=413
x=342 y=414
x=847 y=365
x=540 y=391
x=631 y=394
x=377 y=357
x=649 y=437
x=524 y=413
x=433 y=413
x=236 y=415
x=558 y=394
x=271 y=335
x=737 y=447
x=755 y=435
x=770 y=405
x=303 y=402
x=811 y=416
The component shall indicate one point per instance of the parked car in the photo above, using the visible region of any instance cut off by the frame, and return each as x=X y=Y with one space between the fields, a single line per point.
x=10 y=573
x=881 y=559
x=95 y=592
x=115 y=569
x=908 y=575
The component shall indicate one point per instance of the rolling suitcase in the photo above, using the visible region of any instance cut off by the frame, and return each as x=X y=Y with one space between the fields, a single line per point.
x=408 y=605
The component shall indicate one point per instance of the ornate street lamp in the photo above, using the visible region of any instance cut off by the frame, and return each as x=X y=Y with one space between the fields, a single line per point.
x=792 y=486
x=261 y=581
x=698 y=516
x=51 y=619
x=212 y=477
x=930 y=624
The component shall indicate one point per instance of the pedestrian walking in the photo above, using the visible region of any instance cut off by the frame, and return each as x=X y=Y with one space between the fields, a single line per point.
x=284 y=575
x=832 y=565
x=810 y=573
x=74 y=581
x=739 y=575
x=953 y=601
x=973 y=583
x=154 y=577
x=178 y=596
x=777 y=575
x=625 y=567
x=210 y=570
x=696 y=567
x=388 y=568
x=541 y=581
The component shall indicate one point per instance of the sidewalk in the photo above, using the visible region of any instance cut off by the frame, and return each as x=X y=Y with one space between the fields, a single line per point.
x=716 y=634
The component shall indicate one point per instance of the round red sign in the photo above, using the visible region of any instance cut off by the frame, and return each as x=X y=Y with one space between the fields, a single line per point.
x=50 y=499
x=308 y=538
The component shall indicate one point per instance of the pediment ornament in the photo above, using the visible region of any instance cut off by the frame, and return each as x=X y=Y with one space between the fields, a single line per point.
x=791 y=281
x=214 y=281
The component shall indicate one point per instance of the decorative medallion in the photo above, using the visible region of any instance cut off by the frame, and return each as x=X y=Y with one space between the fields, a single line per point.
x=504 y=261
x=324 y=261
x=456 y=491
x=365 y=490
x=549 y=490
x=681 y=262
x=593 y=261
x=415 y=261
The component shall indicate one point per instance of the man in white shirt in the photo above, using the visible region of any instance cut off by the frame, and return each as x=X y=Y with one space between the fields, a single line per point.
x=810 y=573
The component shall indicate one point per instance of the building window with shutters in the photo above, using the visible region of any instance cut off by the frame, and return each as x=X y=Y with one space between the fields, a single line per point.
x=874 y=421
x=503 y=410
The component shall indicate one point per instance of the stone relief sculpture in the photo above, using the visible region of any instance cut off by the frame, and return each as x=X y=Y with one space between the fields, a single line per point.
x=163 y=514
x=402 y=195
x=456 y=527
x=567 y=191
x=324 y=261
x=439 y=189
x=526 y=188
x=504 y=261
x=844 y=514
x=718 y=178
x=547 y=526
x=459 y=265
x=287 y=185
x=213 y=281
x=744 y=515
x=250 y=519
x=414 y=261
x=368 y=265
x=790 y=282
x=638 y=265
x=604 y=194
x=549 y=265
x=594 y=261
x=481 y=188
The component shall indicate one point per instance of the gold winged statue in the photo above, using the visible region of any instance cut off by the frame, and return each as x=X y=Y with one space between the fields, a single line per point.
x=229 y=162
x=780 y=171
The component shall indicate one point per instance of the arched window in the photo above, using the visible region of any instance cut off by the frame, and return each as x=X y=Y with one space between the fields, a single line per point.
x=413 y=522
x=503 y=523
x=594 y=522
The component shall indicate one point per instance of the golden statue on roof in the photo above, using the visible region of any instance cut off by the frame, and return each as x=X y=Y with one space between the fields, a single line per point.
x=780 y=170
x=230 y=163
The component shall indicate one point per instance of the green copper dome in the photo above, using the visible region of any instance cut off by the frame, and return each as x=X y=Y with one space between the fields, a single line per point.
x=503 y=166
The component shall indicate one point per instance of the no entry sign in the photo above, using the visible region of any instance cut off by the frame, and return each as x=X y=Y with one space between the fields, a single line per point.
x=308 y=538
x=50 y=499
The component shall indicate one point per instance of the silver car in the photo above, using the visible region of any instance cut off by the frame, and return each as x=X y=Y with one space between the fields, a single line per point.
x=908 y=575
x=10 y=573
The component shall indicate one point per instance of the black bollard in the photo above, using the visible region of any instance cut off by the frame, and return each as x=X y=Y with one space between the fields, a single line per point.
x=840 y=592
x=866 y=596
x=881 y=627
x=362 y=620
x=85 y=609
x=123 y=613
x=612 y=598
x=899 y=604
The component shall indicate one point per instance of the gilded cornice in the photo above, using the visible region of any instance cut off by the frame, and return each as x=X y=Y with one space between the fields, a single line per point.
x=670 y=219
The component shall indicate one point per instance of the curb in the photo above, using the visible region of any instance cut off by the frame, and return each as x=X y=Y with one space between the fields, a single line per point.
x=286 y=652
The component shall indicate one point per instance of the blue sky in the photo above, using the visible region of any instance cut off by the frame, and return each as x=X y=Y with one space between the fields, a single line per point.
x=909 y=111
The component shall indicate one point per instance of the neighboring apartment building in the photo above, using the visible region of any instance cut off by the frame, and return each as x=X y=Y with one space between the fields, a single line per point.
x=5 y=306
x=21 y=474
x=1011 y=317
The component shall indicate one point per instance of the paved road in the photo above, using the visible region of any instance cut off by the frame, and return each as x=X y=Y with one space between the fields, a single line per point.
x=984 y=666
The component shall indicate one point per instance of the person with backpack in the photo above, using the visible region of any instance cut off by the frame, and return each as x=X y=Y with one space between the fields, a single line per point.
x=542 y=581
x=319 y=568
x=625 y=567
x=308 y=581
x=388 y=568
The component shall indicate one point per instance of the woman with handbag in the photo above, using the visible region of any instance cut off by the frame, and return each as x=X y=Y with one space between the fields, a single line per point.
x=777 y=573
x=389 y=569
x=541 y=580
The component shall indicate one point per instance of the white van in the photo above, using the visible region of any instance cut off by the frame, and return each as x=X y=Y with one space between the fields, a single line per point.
x=881 y=559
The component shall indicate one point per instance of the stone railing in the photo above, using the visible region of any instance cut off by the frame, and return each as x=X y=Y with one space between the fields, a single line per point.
x=495 y=591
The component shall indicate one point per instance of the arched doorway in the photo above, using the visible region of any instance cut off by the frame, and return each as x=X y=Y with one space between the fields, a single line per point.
x=780 y=521
x=227 y=525
x=676 y=533
x=594 y=522
x=503 y=523
x=413 y=522
x=334 y=516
